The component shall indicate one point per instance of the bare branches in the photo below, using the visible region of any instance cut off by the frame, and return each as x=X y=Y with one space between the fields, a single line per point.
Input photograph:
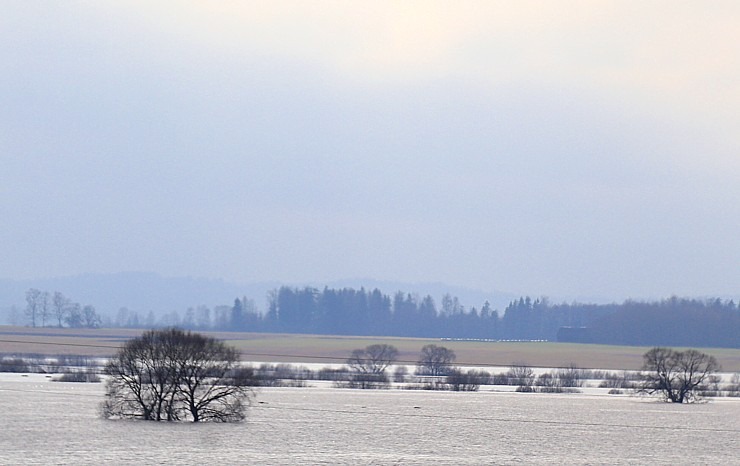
x=435 y=360
x=374 y=359
x=33 y=305
x=60 y=305
x=369 y=364
x=676 y=375
x=176 y=375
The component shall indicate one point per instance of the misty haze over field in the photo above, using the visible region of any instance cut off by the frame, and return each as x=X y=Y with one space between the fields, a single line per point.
x=542 y=148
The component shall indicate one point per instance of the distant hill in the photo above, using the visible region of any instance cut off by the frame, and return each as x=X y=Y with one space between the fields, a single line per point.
x=144 y=291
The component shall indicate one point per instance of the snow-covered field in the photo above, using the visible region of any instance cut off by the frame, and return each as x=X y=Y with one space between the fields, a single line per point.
x=45 y=422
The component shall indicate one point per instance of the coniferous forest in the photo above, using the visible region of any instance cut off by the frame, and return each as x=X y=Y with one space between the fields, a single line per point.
x=347 y=311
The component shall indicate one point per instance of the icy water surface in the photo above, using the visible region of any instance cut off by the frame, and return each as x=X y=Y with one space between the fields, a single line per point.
x=43 y=422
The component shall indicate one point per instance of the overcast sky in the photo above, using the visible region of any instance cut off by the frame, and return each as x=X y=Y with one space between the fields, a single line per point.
x=582 y=148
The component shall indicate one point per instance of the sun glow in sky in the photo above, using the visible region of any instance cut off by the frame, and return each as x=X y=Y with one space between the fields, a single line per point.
x=561 y=148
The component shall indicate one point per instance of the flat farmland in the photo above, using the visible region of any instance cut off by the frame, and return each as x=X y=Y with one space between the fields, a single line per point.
x=299 y=348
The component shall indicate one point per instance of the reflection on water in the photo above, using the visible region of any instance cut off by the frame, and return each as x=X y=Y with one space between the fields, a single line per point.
x=57 y=423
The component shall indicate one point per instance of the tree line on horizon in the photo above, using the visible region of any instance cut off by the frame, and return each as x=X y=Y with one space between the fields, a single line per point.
x=348 y=311
x=669 y=322
x=44 y=309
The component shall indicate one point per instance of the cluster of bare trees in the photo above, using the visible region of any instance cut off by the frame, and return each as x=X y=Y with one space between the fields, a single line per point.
x=175 y=375
x=44 y=308
x=677 y=376
x=563 y=379
x=367 y=368
x=435 y=370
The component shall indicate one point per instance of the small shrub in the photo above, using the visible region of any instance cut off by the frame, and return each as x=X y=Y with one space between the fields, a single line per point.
x=334 y=375
x=400 y=373
x=14 y=365
x=548 y=381
x=733 y=389
x=521 y=375
x=294 y=383
x=284 y=371
x=570 y=376
x=87 y=376
x=714 y=382
x=549 y=389
x=460 y=381
x=365 y=381
x=428 y=385
x=74 y=360
x=615 y=380
x=282 y=375
x=484 y=378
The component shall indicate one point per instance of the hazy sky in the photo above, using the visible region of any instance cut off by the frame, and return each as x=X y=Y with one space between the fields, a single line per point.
x=559 y=148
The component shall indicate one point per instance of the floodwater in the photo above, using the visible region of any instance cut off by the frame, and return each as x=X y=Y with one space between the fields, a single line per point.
x=44 y=422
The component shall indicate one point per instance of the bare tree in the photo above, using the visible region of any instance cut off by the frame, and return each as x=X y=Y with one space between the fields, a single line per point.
x=374 y=359
x=203 y=317
x=677 y=376
x=90 y=317
x=571 y=376
x=74 y=315
x=176 y=375
x=59 y=307
x=733 y=389
x=44 y=307
x=435 y=360
x=368 y=365
x=521 y=375
x=33 y=305
x=222 y=398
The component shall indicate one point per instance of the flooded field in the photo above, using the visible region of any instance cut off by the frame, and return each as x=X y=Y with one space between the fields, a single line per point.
x=46 y=422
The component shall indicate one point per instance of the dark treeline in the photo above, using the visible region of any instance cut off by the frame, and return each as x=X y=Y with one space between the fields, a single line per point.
x=670 y=322
x=347 y=311
x=359 y=312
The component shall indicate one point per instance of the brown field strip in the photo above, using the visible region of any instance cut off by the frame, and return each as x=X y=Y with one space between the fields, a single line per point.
x=297 y=348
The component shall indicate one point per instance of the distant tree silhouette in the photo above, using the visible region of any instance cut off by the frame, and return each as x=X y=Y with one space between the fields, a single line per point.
x=33 y=305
